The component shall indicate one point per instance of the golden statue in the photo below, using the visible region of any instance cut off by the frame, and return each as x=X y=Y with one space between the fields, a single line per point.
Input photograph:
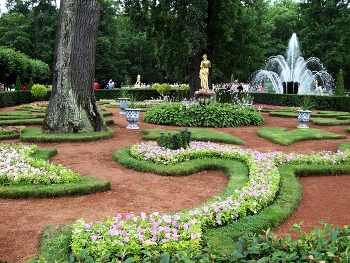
x=204 y=72
x=138 y=81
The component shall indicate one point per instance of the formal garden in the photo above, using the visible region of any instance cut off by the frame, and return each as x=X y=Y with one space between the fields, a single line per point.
x=261 y=190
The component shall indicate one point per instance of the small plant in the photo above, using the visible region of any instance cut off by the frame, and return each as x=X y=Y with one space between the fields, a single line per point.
x=156 y=86
x=123 y=93
x=18 y=85
x=31 y=83
x=175 y=141
x=306 y=103
x=39 y=91
x=164 y=89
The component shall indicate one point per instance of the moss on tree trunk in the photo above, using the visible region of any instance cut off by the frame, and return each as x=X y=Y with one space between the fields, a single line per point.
x=73 y=107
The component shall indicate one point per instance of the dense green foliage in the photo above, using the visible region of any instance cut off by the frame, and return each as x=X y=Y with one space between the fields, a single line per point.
x=39 y=91
x=163 y=40
x=175 y=141
x=212 y=115
x=339 y=88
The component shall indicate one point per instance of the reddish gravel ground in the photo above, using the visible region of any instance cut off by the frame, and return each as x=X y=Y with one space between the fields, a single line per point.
x=22 y=221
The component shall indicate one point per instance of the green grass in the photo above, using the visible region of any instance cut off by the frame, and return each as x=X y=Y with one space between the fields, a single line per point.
x=331 y=114
x=196 y=135
x=283 y=137
x=35 y=136
x=86 y=185
x=285 y=114
x=329 y=122
x=22 y=121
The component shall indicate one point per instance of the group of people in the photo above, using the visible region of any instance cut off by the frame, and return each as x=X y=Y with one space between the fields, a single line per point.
x=107 y=85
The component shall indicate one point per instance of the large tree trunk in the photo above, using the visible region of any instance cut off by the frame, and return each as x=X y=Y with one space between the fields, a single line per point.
x=73 y=106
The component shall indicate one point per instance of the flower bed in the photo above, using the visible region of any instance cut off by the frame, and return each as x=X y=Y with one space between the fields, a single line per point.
x=17 y=167
x=167 y=232
x=8 y=130
x=37 y=106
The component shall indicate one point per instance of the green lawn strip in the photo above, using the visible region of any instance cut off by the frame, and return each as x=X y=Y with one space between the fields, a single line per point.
x=283 y=137
x=106 y=113
x=196 y=135
x=329 y=122
x=344 y=146
x=22 y=121
x=344 y=117
x=86 y=185
x=10 y=136
x=286 y=114
x=331 y=114
x=18 y=117
x=35 y=136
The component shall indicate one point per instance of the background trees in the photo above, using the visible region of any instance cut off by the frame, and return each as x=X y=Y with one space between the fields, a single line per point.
x=164 y=40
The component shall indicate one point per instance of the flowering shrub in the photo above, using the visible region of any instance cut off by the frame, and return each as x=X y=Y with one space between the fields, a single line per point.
x=6 y=130
x=17 y=167
x=35 y=106
x=274 y=107
x=257 y=193
x=130 y=234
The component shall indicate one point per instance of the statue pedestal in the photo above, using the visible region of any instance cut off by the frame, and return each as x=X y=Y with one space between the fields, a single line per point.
x=205 y=96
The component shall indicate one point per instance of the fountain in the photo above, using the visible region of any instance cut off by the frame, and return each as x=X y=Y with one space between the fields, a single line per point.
x=293 y=75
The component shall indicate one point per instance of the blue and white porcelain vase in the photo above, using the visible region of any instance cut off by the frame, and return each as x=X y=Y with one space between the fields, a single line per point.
x=123 y=103
x=132 y=116
x=303 y=118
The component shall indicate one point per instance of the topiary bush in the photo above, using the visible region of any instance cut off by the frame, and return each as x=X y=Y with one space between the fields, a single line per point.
x=39 y=91
x=175 y=141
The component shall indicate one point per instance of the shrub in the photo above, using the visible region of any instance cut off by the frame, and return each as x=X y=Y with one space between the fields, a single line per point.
x=31 y=83
x=39 y=91
x=18 y=85
x=156 y=86
x=212 y=115
x=175 y=141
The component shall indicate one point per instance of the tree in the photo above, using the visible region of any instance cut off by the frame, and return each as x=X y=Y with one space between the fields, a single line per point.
x=183 y=30
x=73 y=107
x=339 y=89
x=14 y=32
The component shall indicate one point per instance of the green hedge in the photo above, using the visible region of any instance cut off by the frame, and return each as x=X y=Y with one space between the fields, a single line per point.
x=331 y=103
x=18 y=97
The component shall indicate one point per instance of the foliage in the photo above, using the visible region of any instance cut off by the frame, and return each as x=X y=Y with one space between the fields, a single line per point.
x=15 y=64
x=123 y=93
x=164 y=89
x=212 y=115
x=18 y=85
x=39 y=91
x=31 y=83
x=306 y=102
x=339 y=89
x=175 y=141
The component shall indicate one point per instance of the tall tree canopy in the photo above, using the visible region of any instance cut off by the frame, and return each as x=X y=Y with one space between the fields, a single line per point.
x=73 y=106
x=185 y=29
